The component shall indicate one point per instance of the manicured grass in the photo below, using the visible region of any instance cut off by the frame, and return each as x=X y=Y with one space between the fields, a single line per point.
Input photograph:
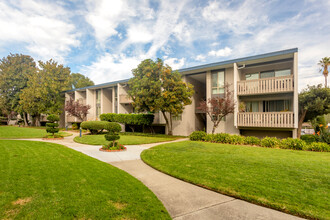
x=124 y=139
x=296 y=182
x=7 y=132
x=48 y=181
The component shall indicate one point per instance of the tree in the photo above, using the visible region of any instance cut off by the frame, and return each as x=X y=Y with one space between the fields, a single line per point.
x=218 y=107
x=77 y=109
x=324 y=63
x=44 y=91
x=79 y=81
x=52 y=125
x=313 y=101
x=155 y=87
x=15 y=69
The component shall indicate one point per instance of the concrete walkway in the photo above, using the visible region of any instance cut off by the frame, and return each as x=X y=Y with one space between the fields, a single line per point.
x=182 y=200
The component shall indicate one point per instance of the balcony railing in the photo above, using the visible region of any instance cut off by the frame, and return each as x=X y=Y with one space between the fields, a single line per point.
x=263 y=86
x=265 y=119
x=124 y=99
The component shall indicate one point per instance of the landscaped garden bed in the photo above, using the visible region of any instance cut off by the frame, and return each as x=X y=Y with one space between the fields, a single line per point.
x=49 y=181
x=292 y=181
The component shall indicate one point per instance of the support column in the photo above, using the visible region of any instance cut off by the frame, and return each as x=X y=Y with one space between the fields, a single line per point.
x=235 y=93
x=295 y=93
x=208 y=96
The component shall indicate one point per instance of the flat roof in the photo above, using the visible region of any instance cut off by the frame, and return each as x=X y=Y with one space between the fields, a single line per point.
x=210 y=65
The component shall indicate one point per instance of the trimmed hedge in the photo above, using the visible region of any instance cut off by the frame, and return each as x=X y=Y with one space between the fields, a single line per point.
x=94 y=127
x=310 y=138
x=271 y=142
x=52 y=125
x=129 y=119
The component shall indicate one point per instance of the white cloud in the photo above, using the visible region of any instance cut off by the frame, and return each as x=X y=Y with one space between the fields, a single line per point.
x=104 y=16
x=175 y=63
x=139 y=34
x=42 y=28
x=111 y=67
x=200 y=57
x=221 y=53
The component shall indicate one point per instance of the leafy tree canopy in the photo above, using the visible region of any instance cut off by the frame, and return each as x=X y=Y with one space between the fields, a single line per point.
x=79 y=81
x=155 y=87
x=15 y=69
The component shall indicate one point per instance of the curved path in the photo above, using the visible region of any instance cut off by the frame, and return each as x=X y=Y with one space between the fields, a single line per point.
x=182 y=200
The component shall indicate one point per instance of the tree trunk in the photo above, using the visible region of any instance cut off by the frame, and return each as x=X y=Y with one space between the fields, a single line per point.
x=300 y=122
x=169 y=130
x=213 y=129
x=326 y=81
x=25 y=119
x=37 y=122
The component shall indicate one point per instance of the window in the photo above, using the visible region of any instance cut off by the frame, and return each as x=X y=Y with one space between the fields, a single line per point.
x=98 y=102
x=251 y=106
x=277 y=106
x=251 y=76
x=267 y=74
x=116 y=99
x=279 y=73
x=218 y=82
x=177 y=117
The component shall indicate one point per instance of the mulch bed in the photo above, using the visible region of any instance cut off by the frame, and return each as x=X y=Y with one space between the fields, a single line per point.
x=101 y=149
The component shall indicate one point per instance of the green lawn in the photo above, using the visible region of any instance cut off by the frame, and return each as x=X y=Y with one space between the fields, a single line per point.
x=124 y=139
x=297 y=182
x=7 y=132
x=48 y=181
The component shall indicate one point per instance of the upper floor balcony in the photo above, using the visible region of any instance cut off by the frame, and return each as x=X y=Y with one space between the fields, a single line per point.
x=266 y=85
x=266 y=119
x=124 y=99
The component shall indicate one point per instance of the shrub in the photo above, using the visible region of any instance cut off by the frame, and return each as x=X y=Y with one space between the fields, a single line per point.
x=270 y=142
x=210 y=138
x=52 y=126
x=236 y=139
x=94 y=127
x=129 y=119
x=113 y=130
x=310 y=138
x=197 y=136
x=251 y=140
x=221 y=138
x=290 y=143
x=53 y=118
x=317 y=146
x=74 y=126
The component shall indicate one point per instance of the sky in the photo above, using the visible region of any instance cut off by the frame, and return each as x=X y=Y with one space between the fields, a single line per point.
x=106 y=39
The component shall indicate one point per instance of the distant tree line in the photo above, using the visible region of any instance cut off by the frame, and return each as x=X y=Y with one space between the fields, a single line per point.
x=28 y=88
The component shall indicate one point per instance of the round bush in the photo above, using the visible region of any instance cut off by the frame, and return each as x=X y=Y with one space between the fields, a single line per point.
x=290 y=143
x=94 y=126
x=112 y=137
x=52 y=130
x=113 y=127
x=53 y=118
x=251 y=140
x=197 y=136
x=270 y=142
x=52 y=125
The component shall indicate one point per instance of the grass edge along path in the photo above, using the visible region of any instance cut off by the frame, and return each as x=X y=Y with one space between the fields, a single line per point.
x=14 y=132
x=124 y=139
x=295 y=182
x=45 y=180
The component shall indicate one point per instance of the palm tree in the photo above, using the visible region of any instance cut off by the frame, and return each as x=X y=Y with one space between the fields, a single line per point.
x=324 y=63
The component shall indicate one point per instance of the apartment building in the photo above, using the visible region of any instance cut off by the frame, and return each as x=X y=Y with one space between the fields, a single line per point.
x=265 y=90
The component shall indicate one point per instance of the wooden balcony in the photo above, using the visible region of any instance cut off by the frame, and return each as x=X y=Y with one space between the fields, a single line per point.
x=265 y=119
x=124 y=99
x=265 y=86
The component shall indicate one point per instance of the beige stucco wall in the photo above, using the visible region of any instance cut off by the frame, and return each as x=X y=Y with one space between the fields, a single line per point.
x=226 y=126
x=90 y=100
x=106 y=100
